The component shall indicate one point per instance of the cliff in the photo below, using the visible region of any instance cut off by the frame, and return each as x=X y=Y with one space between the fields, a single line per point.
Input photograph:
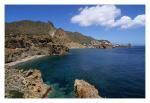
x=21 y=46
x=24 y=84
x=85 y=90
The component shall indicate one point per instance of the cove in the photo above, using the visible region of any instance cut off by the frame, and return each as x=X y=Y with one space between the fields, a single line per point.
x=116 y=73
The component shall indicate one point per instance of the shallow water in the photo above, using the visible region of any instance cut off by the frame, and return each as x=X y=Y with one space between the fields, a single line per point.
x=116 y=73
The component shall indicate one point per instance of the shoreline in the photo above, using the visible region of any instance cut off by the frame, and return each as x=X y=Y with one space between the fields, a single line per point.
x=24 y=60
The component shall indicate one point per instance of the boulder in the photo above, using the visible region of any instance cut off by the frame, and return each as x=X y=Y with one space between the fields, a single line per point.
x=85 y=90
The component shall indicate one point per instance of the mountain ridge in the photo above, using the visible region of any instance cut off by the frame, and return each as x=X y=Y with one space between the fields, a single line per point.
x=57 y=35
x=28 y=27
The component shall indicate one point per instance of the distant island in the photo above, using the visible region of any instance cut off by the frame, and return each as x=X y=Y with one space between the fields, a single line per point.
x=25 y=40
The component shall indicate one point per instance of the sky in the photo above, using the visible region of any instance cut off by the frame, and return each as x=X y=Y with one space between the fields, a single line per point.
x=117 y=23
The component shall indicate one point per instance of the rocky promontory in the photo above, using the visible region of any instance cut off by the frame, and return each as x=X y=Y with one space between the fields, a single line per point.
x=85 y=90
x=24 y=84
x=25 y=40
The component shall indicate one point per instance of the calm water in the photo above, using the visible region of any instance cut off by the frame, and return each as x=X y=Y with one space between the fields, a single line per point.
x=116 y=73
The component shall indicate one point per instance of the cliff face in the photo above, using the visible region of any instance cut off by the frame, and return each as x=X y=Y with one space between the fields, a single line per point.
x=24 y=84
x=85 y=90
x=21 y=46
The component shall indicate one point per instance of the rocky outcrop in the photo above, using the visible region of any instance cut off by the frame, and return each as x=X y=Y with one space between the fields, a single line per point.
x=75 y=45
x=24 y=84
x=85 y=90
x=104 y=44
x=101 y=44
x=22 y=46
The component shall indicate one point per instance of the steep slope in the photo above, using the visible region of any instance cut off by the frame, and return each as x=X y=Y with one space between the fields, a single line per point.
x=79 y=38
x=27 y=27
x=59 y=36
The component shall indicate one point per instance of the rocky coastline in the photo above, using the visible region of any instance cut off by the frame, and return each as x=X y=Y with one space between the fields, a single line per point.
x=23 y=46
x=28 y=42
x=24 y=60
x=26 y=34
x=21 y=83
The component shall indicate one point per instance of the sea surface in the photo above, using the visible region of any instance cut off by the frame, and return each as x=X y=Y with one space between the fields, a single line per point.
x=116 y=73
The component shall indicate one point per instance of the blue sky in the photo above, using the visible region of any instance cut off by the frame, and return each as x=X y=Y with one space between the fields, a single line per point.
x=61 y=16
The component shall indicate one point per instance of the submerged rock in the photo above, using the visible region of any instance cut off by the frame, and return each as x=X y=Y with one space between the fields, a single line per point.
x=85 y=90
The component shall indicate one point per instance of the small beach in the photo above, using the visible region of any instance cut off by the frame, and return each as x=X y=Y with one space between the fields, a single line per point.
x=24 y=60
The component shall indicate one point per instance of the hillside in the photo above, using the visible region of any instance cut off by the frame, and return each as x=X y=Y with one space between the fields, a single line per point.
x=27 y=27
x=32 y=29
x=79 y=38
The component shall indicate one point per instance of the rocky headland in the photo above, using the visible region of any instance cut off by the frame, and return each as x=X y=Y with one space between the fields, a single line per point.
x=43 y=33
x=26 y=40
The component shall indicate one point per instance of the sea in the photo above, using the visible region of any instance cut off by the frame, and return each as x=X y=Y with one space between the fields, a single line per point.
x=116 y=73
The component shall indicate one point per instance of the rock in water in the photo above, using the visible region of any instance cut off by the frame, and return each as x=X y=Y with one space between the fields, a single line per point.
x=85 y=90
x=24 y=84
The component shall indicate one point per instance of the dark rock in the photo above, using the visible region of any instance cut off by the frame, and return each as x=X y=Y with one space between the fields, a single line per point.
x=15 y=94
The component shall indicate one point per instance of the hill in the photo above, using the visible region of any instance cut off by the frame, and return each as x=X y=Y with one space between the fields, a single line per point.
x=27 y=27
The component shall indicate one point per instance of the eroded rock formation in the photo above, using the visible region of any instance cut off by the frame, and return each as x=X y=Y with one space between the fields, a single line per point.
x=22 y=46
x=85 y=90
x=24 y=84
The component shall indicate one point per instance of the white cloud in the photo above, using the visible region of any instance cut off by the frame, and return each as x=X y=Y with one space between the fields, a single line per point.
x=123 y=22
x=139 y=20
x=126 y=22
x=106 y=15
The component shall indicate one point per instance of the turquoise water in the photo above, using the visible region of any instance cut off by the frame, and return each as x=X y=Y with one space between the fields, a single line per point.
x=116 y=73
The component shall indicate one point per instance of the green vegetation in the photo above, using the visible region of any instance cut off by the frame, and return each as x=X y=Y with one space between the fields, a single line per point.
x=27 y=27
x=16 y=94
x=79 y=38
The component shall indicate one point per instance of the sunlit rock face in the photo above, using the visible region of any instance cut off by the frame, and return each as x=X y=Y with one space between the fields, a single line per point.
x=24 y=84
x=85 y=90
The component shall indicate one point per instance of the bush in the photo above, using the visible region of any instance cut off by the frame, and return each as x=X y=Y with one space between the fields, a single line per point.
x=16 y=94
